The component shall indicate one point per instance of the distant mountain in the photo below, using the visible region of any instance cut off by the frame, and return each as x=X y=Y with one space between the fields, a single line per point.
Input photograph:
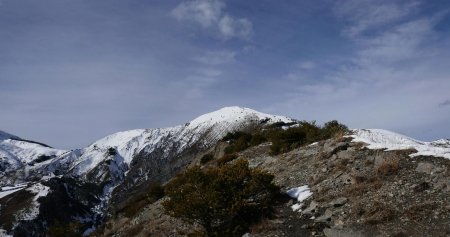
x=124 y=160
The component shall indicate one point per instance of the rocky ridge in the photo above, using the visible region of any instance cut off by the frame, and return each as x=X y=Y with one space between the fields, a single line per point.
x=357 y=191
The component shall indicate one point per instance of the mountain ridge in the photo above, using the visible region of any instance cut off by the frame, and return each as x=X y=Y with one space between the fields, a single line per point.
x=123 y=162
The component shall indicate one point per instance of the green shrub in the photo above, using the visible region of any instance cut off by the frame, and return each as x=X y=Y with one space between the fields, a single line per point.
x=284 y=140
x=333 y=128
x=238 y=141
x=226 y=158
x=206 y=158
x=224 y=200
x=257 y=139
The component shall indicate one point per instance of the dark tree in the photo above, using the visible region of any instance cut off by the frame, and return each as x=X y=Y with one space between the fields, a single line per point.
x=224 y=200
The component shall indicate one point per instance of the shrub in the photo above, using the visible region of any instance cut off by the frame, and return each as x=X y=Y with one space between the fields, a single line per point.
x=285 y=140
x=224 y=200
x=305 y=133
x=312 y=131
x=226 y=158
x=239 y=141
x=257 y=139
x=206 y=158
x=333 y=129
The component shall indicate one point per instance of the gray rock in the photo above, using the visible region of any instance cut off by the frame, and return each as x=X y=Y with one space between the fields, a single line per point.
x=312 y=208
x=349 y=155
x=338 y=202
x=425 y=167
x=326 y=217
x=346 y=179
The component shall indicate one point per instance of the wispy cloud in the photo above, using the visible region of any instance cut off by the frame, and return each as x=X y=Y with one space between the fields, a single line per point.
x=210 y=14
x=392 y=73
x=216 y=57
x=364 y=15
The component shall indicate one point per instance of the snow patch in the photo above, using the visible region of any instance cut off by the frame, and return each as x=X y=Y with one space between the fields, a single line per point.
x=33 y=211
x=383 y=139
x=3 y=233
x=301 y=194
x=7 y=190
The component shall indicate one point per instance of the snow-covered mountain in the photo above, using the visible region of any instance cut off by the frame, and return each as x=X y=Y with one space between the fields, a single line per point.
x=122 y=147
x=120 y=163
x=16 y=153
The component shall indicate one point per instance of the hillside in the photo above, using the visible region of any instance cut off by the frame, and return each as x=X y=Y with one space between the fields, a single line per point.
x=345 y=188
x=368 y=182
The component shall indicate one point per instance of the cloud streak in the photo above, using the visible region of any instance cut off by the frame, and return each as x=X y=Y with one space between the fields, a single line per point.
x=392 y=73
x=211 y=15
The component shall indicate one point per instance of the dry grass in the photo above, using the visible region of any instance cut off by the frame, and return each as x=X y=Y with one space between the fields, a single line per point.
x=359 y=189
x=379 y=213
x=387 y=167
x=341 y=165
x=373 y=213
x=418 y=212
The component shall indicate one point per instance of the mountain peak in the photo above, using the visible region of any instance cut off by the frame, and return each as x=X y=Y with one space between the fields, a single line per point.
x=235 y=113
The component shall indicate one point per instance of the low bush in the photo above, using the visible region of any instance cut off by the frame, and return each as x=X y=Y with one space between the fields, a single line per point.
x=284 y=140
x=206 y=158
x=226 y=158
x=224 y=200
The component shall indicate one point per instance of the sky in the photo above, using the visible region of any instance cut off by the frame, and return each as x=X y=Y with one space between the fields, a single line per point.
x=74 y=71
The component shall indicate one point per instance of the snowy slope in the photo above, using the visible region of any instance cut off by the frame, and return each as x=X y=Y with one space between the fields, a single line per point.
x=16 y=152
x=212 y=127
x=383 y=139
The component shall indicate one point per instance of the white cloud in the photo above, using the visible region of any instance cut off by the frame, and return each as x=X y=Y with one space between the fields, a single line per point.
x=216 y=57
x=210 y=14
x=206 y=13
x=394 y=79
x=239 y=28
x=363 y=15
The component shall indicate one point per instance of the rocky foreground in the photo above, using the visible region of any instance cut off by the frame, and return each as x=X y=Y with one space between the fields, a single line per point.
x=356 y=191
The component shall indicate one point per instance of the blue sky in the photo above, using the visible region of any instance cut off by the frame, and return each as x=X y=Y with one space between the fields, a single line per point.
x=73 y=71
